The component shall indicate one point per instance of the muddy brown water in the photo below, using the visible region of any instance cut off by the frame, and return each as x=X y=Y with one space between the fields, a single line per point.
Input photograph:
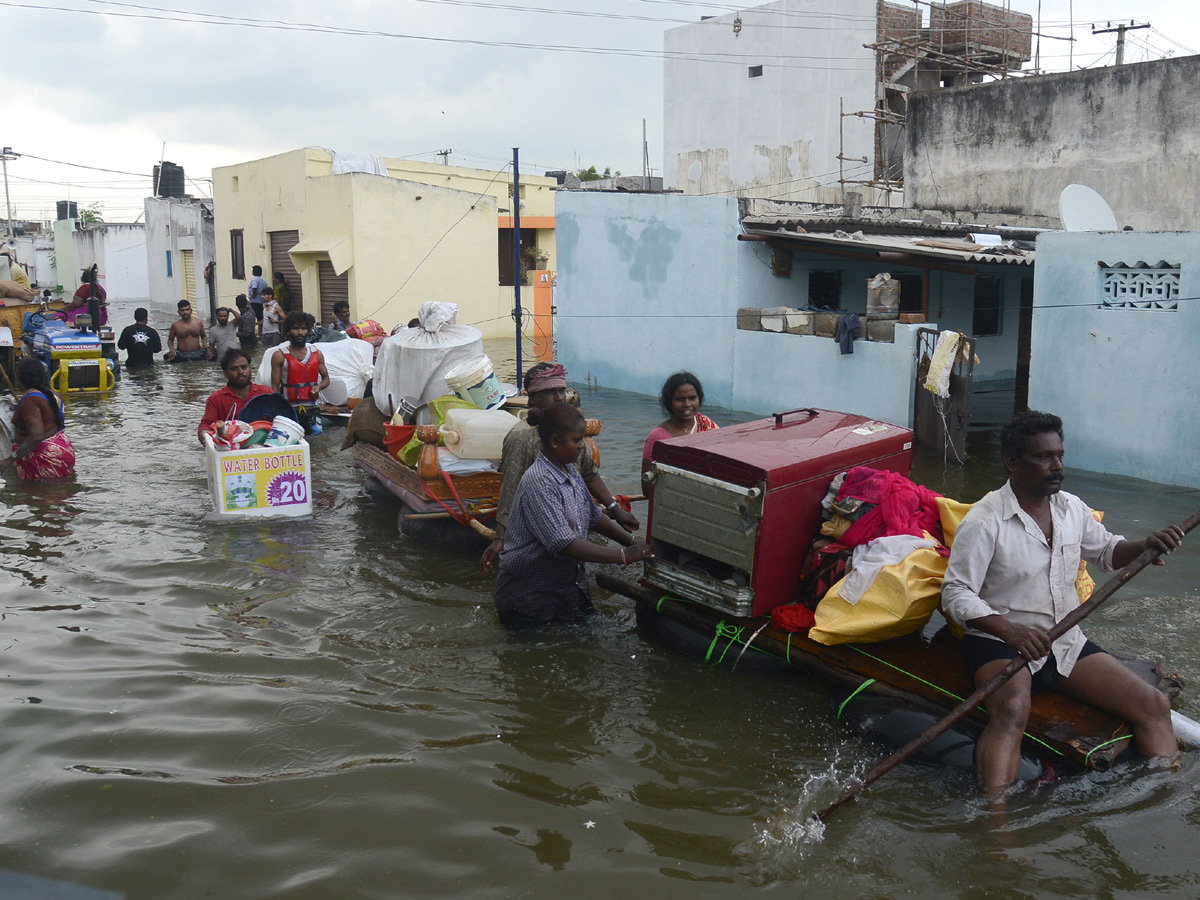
x=318 y=708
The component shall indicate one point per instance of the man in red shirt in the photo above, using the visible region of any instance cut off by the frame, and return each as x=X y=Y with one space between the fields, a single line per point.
x=230 y=400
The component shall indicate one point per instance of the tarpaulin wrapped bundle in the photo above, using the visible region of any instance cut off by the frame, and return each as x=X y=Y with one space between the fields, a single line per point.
x=893 y=586
x=413 y=362
x=351 y=362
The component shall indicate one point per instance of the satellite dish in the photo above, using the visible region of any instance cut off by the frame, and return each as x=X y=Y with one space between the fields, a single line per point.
x=1082 y=209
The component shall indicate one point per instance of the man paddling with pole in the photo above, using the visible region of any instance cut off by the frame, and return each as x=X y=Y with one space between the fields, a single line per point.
x=1011 y=578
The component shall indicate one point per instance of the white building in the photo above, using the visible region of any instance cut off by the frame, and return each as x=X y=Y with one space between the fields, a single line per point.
x=120 y=252
x=180 y=243
x=804 y=99
x=35 y=252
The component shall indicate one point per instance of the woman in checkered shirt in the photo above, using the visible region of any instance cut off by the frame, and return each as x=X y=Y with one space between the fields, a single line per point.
x=542 y=574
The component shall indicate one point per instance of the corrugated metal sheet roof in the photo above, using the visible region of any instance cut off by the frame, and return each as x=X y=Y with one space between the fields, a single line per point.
x=915 y=245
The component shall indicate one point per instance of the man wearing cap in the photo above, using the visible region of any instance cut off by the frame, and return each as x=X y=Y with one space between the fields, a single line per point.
x=546 y=384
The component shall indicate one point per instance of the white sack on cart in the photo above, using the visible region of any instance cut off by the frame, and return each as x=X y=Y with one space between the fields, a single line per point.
x=413 y=362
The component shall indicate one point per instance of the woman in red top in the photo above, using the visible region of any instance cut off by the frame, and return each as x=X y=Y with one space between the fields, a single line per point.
x=681 y=399
x=79 y=301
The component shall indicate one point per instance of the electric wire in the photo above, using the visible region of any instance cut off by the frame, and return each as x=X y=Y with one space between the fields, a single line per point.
x=279 y=25
x=436 y=243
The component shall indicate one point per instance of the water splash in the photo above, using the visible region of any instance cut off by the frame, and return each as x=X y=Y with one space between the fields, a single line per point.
x=796 y=829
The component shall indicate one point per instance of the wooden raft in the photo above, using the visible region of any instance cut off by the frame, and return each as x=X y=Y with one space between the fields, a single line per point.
x=480 y=489
x=939 y=676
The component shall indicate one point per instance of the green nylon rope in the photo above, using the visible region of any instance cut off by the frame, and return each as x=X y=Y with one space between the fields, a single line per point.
x=1102 y=746
x=952 y=694
x=862 y=687
x=937 y=687
x=732 y=632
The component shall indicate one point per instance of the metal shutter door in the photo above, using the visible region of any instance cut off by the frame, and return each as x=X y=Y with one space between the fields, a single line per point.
x=188 y=265
x=281 y=243
x=333 y=288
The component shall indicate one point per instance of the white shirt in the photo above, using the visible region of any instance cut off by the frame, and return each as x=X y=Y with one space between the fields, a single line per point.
x=1002 y=564
x=271 y=309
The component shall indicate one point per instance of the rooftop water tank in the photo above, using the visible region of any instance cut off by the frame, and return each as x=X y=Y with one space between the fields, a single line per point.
x=168 y=180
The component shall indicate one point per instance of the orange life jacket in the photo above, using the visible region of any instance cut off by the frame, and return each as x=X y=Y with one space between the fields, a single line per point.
x=299 y=380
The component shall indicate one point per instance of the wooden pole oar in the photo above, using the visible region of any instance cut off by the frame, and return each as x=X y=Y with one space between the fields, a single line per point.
x=415 y=517
x=1119 y=580
x=7 y=380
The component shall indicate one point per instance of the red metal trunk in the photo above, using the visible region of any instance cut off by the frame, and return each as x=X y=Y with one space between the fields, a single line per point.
x=734 y=511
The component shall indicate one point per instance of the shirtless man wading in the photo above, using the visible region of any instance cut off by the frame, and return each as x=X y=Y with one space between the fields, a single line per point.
x=186 y=341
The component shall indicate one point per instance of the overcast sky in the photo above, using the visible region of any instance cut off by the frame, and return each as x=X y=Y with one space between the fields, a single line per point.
x=106 y=84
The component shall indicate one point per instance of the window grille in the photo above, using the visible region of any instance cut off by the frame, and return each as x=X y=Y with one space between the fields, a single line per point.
x=1139 y=286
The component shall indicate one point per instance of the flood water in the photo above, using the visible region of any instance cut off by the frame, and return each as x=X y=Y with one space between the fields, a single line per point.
x=318 y=708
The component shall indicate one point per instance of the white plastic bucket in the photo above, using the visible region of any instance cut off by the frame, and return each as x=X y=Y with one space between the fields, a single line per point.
x=283 y=432
x=475 y=381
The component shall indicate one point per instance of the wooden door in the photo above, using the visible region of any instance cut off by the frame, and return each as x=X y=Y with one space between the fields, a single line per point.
x=187 y=265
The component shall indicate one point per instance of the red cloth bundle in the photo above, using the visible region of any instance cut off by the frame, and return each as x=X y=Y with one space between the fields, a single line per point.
x=901 y=507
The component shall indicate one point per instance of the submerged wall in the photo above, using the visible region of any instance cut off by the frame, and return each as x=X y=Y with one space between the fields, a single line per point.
x=649 y=284
x=1123 y=379
x=120 y=251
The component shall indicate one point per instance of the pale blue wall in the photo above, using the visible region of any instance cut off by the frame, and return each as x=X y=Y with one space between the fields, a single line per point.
x=773 y=372
x=1123 y=380
x=648 y=284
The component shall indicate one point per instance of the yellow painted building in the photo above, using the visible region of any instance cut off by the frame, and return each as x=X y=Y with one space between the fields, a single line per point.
x=386 y=244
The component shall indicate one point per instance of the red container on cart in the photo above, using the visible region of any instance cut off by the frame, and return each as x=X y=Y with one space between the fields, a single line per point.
x=734 y=511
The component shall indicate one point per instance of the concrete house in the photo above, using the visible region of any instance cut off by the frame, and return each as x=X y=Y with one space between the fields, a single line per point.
x=180 y=243
x=1132 y=132
x=1116 y=327
x=384 y=234
x=805 y=99
x=689 y=276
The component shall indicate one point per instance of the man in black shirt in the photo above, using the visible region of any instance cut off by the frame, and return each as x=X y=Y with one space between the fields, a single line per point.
x=140 y=340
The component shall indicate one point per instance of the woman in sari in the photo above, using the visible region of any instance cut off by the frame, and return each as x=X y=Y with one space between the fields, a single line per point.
x=681 y=399
x=42 y=451
x=78 y=304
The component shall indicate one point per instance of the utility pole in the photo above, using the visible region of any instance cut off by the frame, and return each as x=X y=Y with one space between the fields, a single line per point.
x=1120 y=30
x=445 y=155
x=6 y=154
x=516 y=209
x=645 y=159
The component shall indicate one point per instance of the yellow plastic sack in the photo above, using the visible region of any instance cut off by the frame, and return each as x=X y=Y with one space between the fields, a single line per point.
x=900 y=601
x=1084 y=583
